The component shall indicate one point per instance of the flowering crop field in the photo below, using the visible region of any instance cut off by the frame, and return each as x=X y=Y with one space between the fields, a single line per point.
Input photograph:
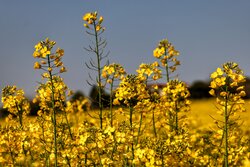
x=142 y=125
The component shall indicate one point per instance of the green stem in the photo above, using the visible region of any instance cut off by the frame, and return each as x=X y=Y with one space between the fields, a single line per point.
x=167 y=72
x=139 y=129
x=176 y=119
x=99 y=75
x=111 y=103
x=153 y=117
x=20 y=114
x=54 y=112
x=170 y=121
x=226 y=132
x=130 y=116
x=67 y=121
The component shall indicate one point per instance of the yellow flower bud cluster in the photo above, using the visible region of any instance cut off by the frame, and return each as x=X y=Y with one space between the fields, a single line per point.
x=49 y=60
x=131 y=89
x=92 y=19
x=144 y=157
x=43 y=48
x=113 y=71
x=227 y=80
x=227 y=85
x=44 y=94
x=146 y=70
x=13 y=99
x=175 y=96
x=167 y=54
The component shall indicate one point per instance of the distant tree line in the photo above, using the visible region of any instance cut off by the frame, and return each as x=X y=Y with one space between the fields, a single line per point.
x=198 y=90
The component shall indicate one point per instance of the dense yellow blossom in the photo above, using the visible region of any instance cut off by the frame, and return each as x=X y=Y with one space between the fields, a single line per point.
x=66 y=131
x=147 y=70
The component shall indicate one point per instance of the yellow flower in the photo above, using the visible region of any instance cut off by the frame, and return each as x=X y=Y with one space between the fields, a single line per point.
x=37 y=65
x=38 y=46
x=214 y=75
x=212 y=92
x=49 y=69
x=100 y=20
x=98 y=27
x=87 y=16
x=223 y=94
x=36 y=54
x=45 y=52
x=242 y=93
x=63 y=69
x=158 y=52
x=60 y=52
x=90 y=17
x=219 y=71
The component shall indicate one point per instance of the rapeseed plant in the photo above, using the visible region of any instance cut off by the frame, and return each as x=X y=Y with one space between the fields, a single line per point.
x=13 y=99
x=52 y=93
x=64 y=134
x=226 y=85
x=94 y=28
x=111 y=73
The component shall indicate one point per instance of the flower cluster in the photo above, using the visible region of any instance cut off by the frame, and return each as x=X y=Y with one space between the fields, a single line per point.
x=44 y=95
x=175 y=100
x=167 y=54
x=146 y=70
x=131 y=89
x=113 y=71
x=137 y=133
x=49 y=60
x=92 y=19
x=227 y=83
x=175 y=95
x=13 y=99
x=227 y=86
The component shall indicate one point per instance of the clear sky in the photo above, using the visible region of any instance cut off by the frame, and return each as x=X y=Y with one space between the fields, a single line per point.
x=207 y=33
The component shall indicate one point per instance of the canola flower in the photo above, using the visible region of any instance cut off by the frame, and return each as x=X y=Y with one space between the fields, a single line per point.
x=52 y=93
x=49 y=60
x=130 y=90
x=78 y=140
x=149 y=70
x=14 y=100
x=227 y=86
x=92 y=19
x=94 y=27
x=167 y=54
x=112 y=72
x=175 y=99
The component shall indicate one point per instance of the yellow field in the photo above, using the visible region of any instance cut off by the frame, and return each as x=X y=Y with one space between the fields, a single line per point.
x=203 y=110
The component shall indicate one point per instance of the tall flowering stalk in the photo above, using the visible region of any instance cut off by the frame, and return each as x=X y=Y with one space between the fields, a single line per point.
x=13 y=99
x=131 y=91
x=95 y=29
x=175 y=96
x=112 y=72
x=50 y=92
x=167 y=55
x=226 y=85
x=147 y=73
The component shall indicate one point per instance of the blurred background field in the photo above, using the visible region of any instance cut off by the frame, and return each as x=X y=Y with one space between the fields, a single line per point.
x=201 y=115
x=202 y=110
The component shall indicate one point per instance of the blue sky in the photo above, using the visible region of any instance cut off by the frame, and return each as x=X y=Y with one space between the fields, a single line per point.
x=207 y=34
